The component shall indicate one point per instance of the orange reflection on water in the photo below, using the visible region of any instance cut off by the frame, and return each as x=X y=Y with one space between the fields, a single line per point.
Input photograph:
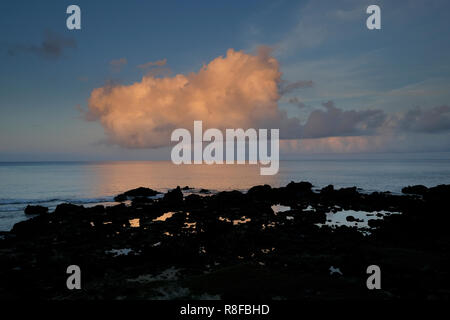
x=165 y=216
x=115 y=177
x=134 y=223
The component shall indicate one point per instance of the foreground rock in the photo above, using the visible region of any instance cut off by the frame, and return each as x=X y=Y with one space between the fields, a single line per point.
x=135 y=193
x=234 y=245
x=35 y=210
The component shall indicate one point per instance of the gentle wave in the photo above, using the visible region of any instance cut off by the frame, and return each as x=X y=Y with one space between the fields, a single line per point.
x=9 y=205
x=26 y=201
x=80 y=201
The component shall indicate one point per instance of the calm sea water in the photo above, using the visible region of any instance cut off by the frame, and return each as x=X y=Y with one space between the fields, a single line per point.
x=90 y=183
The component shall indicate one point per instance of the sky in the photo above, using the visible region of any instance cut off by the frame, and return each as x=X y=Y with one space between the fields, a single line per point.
x=136 y=70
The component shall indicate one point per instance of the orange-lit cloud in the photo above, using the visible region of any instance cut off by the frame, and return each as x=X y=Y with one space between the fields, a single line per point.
x=158 y=63
x=242 y=90
x=236 y=91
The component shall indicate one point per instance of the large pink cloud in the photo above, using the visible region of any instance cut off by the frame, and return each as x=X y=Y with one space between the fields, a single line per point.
x=242 y=90
x=236 y=91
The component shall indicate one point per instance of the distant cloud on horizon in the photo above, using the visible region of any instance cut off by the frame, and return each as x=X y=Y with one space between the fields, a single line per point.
x=434 y=120
x=337 y=122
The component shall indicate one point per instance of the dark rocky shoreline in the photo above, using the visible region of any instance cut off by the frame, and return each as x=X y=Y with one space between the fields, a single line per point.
x=233 y=245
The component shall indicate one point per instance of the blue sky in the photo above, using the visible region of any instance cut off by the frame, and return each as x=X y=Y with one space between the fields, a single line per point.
x=404 y=65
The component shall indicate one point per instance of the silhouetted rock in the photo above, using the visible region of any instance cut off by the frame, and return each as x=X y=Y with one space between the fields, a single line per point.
x=35 y=210
x=229 y=199
x=96 y=210
x=347 y=195
x=353 y=219
x=327 y=190
x=374 y=223
x=68 y=208
x=119 y=209
x=348 y=192
x=174 y=197
x=417 y=189
x=138 y=192
x=194 y=201
x=441 y=191
x=141 y=200
x=260 y=193
x=303 y=187
x=233 y=245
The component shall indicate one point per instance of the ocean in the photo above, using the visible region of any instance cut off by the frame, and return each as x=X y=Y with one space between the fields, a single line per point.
x=91 y=183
